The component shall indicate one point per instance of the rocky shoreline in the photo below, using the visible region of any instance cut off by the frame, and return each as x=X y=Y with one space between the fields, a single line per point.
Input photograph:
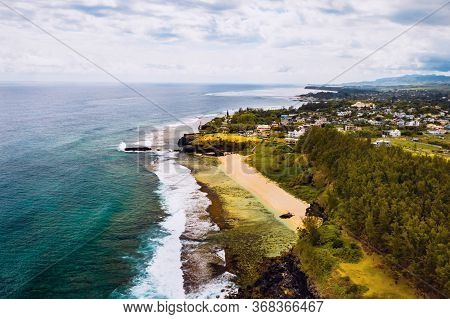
x=186 y=146
x=280 y=278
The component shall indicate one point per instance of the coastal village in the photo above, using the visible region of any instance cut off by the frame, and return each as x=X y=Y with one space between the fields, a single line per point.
x=361 y=115
x=421 y=129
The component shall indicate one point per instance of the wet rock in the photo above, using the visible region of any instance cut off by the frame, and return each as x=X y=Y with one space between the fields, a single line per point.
x=137 y=149
x=189 y=149
x=281 y=278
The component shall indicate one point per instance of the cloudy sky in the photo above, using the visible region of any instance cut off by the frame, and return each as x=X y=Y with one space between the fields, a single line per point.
x=278 y=41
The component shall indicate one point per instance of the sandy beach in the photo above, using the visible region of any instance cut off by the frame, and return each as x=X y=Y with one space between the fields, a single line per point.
x=272 y=196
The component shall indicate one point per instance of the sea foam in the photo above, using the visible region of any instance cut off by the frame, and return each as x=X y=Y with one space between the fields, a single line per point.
x=186 y=226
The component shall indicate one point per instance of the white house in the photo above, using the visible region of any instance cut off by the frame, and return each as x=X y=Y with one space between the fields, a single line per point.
x=296 y=133
x=400 y=122
x=436 y=132
x=360 y=104
x=394 y=133
x=351 y=127
x=344 y=113
x=374 y=122
x=399 y=115
x=412 y=123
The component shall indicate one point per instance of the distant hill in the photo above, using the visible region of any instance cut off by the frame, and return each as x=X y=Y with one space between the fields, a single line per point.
x=405 y=80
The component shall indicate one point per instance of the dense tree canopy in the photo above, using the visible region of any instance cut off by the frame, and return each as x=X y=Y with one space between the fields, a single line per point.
x=397 y=203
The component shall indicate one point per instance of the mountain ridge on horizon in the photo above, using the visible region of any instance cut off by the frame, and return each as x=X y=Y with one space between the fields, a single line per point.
x=408 y=79
x=402 y=80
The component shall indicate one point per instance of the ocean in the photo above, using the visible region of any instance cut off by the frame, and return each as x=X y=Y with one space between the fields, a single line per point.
x=81 y=218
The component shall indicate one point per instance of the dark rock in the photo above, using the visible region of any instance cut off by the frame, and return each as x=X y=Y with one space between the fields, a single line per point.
x=209 y=150
x=186 y=139
x=281 y=278
x=287 y=215
x=137 y=149
x=189 y=149
x=317 y=211
x=212 y=151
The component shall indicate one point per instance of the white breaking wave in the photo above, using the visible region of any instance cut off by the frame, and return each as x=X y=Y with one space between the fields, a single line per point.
x=122 y=147
x=163 y=277
x=219 y=287
x=186 y=206
x=282 y=93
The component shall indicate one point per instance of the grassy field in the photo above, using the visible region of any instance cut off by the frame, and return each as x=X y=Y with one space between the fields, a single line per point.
x=341 y=268
x=443 y=141
x=226 y=137
x=371 y=273
x=422 y=147
x=278 y=162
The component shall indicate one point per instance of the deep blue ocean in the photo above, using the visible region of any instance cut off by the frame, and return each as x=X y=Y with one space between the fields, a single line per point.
x=78 y=218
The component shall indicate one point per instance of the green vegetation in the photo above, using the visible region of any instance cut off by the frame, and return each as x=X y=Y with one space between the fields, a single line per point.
x=340 y=268
x=257 y=116
x=280 y=163
x=418 y=148
x=395 y=202
x=321 y=248
x=225 y=142
x=248 y=119
x=443 y=141
x=371 y=272
x=212 y=126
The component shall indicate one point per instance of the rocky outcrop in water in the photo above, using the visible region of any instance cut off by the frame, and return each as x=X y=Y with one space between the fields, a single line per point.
x=137 y=149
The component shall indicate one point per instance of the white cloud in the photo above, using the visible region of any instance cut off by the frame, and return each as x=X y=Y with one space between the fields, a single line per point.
x=220 y=41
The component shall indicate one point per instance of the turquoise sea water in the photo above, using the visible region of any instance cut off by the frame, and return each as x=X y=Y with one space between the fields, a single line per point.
x=78 y=218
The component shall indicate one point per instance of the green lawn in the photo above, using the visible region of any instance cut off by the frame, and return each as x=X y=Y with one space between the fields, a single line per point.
x=277 y=161
x=371 y=273
x=419 y=148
